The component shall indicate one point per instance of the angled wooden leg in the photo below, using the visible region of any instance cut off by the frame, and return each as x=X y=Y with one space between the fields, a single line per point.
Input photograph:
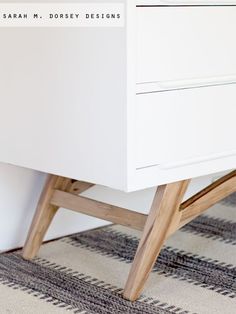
x=163 y=216
x=43 y=216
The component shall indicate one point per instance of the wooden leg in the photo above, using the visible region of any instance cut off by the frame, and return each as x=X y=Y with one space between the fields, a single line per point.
x=164 y=214
x=43 y=216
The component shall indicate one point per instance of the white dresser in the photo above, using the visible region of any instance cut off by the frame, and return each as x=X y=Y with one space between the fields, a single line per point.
x=149 y=102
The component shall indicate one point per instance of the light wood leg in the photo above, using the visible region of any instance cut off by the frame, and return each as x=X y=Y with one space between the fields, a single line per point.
x=43 y=216
x=163 y=216
x=166 y=216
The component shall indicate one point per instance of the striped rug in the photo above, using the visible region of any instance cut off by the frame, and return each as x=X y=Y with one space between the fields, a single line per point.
x=85 y=272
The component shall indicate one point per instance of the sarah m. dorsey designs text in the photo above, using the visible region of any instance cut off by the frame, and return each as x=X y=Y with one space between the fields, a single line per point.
x=60 y=16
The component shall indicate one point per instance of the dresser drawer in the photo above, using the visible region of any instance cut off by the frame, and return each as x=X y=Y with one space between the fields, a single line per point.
x=185 y=43
x=186 y=126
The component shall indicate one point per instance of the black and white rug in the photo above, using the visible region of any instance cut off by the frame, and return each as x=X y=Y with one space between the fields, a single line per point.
x=85 y=273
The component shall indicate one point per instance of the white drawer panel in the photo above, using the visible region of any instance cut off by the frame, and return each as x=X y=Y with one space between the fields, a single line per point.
x=185 y=43
x=185 y=126
x=184 y=2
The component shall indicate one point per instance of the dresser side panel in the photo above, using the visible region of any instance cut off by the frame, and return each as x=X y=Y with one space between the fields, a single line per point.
x=63 y=101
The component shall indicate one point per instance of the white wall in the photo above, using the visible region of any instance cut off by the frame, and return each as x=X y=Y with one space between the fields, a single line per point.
x=19 y=192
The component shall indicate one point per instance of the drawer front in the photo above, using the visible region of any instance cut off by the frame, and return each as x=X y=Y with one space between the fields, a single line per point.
x=185 y=43
x=184 y=2
x=186 y=126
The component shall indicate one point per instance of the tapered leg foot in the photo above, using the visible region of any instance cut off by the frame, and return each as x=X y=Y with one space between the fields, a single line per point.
x=43 y=216
x=164 y=214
